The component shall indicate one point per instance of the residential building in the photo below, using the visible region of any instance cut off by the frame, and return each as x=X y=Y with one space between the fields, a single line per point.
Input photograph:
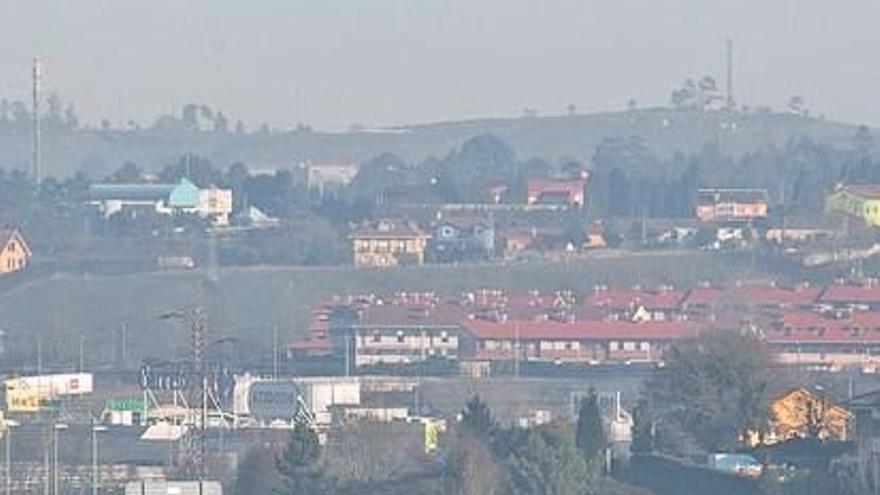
x=213 y=204
x=14 y=251
x=805 y=413
x=863 y=294
x=544 y=239
x=751 y=295
x=496 y=193
x=405 y=328
x=858 y=201
x=834 y=340
x=569 y=192
x=797 y=234
x=638 y=304
x=731 y=205
x=388 y=242
x=601 y=325
x=593 y=342
x=255 y=218
x=329 y=178
x=462 y=238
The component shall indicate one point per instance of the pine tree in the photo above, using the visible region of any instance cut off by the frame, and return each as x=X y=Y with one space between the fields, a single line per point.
x=477 y=416
x=590 y=437
x=642 y=438
x=297 y=464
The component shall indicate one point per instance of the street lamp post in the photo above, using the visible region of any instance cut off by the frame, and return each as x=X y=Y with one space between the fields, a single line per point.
x=96 y=480
x=55 y=429
x=10 y=424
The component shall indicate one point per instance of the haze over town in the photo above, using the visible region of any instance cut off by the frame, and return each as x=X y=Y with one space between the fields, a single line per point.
x=439 y=247
x=385 y=62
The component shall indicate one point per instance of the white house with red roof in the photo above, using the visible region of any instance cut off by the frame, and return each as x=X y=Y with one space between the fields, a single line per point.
x=568 y=192
x=14 y=251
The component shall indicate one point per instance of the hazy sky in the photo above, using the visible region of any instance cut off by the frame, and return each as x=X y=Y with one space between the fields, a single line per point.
x=331 y=63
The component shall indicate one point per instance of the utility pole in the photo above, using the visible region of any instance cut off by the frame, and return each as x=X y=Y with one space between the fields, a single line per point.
x=275 y=351
x=516 y=349
x=37 y=151
x=96 y=476
x=124 y=344
x=47 y=438
x=9 y=424
x=82 y=345
x=8 y=460
x=197 y=385
x=56 y=427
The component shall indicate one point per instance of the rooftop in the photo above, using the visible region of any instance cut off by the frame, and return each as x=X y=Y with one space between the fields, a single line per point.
x=6 y=234
x=388 y=229
x=586 y=330
x=867 y=191
x=712 y=196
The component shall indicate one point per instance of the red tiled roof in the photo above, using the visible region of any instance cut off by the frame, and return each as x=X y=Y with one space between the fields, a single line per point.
x=869 y=191
x=704 y=296
x=566 y=186
x=755 y=294
x=841 y=293
x=310 y=345
x=651 y=299
x=715 y=196
x=836 y=335
x=803 y=326
x=388 y=229
x=446 y=314
x=769 y=294
x=582 y=330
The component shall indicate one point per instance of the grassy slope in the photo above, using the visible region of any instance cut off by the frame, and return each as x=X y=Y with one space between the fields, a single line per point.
x=549 y=137
x=247 y=303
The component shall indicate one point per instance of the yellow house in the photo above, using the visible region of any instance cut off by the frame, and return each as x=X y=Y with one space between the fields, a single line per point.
x=14 y=251
x=859 y=201
x=803 y=413
x=387 y=242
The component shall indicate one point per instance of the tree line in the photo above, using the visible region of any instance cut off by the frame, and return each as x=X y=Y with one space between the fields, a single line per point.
x=476 y=457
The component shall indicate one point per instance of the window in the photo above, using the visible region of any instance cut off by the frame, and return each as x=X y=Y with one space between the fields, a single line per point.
x=612 y=346
x=400 y=337
x=11 y=247
x=444 y=337
x=629 y=346
x=377 y=337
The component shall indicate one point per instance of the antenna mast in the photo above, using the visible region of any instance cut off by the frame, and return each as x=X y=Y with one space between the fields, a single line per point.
x=730 y=100
x=37 y=88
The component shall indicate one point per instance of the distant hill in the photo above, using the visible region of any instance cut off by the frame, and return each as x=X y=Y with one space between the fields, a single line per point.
x=552 y=137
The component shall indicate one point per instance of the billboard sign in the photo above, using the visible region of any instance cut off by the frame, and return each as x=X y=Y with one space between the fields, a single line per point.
x=51 y=386
x=22 y=400
x=124 y=405
x=273 y=400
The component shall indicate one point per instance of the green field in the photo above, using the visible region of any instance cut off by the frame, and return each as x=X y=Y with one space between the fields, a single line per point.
x=249 y=303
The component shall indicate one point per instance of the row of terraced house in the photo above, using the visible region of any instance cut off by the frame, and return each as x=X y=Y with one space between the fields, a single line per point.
x=831 y=327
